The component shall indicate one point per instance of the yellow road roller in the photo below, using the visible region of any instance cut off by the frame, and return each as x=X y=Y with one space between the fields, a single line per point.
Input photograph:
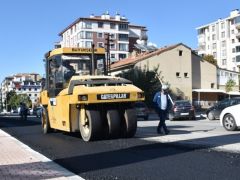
x=78 y=97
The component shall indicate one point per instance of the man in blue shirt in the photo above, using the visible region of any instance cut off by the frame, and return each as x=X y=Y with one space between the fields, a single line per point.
x=162 y=105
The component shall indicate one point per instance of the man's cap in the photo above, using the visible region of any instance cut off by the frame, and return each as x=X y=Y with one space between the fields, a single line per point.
x=164 y=86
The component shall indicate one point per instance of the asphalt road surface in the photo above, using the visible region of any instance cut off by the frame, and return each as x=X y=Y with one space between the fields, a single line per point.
x=123 y=158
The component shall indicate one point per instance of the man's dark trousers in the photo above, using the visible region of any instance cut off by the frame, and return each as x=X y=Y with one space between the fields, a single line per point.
x=162 y=115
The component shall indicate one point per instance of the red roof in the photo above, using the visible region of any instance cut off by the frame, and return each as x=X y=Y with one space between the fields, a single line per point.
x=133 y=60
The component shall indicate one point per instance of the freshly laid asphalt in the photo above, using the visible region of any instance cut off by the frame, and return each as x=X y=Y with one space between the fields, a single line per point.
x=193 y=133
x=188 y=152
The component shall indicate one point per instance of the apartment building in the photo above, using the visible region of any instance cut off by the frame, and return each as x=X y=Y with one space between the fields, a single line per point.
x=22 y=83
x=84 y=32
x=224 y=76
x=221 y=39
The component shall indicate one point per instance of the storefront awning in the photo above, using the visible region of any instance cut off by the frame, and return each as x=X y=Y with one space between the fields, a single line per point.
x=233 y=93
x=209 y=90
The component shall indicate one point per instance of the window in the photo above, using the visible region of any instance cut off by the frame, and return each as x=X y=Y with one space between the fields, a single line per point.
x=88 y=35
x=112 y=25
x=112 y=46
x=30 y=89
x=224 y=62
x=186 y=75
x=123 y=26
x=224 y=52
x=233 y=59
x=214 y=37
x=123 y=47
x=123 y=37
x=112 y=36
x=113 y=56
x=214 y=55
x=88 y=25
x=100 y=35
x=233 y=41
x=213 y=28
x=29 y=95
x=88 y=44
x=238 y=58
x=233 y=50
x=234 y=68
x=178 y=74
x=180 y=52
x=223 y=34
x=122 y=56
x=208 y=38
x=35 y=89
x=237 y=48
x=232 y=31
x=212 y=85
x=223 y=44
x=214 y=46
x=35 y=94
x=222 y=25
x=100 y=44
x=100 y=24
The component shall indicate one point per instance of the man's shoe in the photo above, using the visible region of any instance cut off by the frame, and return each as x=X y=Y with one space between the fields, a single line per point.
x=159 y=131
x=167 y=132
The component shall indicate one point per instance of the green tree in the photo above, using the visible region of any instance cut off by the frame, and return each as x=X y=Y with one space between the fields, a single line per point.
x=16 y=99
x=210 y=59
x=229 y=85
x=145 y=79
x=7 y=101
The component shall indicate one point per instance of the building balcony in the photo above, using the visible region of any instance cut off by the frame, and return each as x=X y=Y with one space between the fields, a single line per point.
x=238 y=35
x=237 y=25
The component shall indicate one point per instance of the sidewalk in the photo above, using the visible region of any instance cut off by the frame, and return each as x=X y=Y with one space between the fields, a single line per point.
x=18 y=161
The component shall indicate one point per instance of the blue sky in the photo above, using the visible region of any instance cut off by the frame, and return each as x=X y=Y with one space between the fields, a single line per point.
x=29 y=28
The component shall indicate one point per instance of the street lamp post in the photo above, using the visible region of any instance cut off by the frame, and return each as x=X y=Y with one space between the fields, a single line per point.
x=238 y=78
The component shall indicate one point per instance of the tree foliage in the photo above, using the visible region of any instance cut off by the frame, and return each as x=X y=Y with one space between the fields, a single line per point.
x=14 y=100
x=147 y=80
x=210 y=59
x=229 y=85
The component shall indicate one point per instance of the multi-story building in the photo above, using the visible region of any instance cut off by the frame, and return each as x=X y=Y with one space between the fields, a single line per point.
x=22 y=83
x=222 y=40
x=84 y=32
x=223 y=76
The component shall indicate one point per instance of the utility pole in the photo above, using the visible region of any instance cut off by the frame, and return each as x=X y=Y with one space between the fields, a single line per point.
x=93 y=63
x=238 y=78
x=107 y=47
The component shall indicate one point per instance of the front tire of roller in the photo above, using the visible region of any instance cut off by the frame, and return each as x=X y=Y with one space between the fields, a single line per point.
x=92 y=128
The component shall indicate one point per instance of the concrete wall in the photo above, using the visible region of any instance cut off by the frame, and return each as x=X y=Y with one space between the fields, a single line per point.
x=170 y=63
x=204 y=73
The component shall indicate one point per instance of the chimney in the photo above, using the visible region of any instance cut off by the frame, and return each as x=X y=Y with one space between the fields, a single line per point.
x=234 y=13
x=117 y=16
x=107 y=16
x=103 y=16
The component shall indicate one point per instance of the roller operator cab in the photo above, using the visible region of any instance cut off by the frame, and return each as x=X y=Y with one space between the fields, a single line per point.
x=99 y=106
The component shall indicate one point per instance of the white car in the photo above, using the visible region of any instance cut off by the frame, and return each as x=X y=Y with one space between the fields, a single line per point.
x=230 y=118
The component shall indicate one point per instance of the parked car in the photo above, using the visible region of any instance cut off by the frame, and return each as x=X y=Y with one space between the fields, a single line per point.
x=37 y=111
x=141 y=110
x=230 y=118
x=215 y=111
x=182 y=109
